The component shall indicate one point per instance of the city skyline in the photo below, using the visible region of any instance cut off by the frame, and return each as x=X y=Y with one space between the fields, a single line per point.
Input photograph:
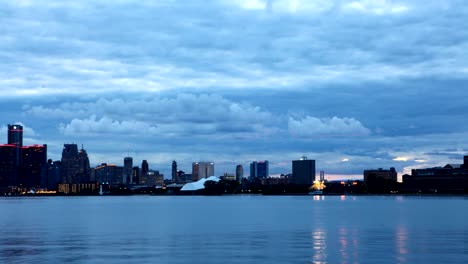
x=354 y=85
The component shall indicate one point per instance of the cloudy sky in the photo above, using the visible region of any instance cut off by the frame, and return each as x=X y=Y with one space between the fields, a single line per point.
x=353 y=84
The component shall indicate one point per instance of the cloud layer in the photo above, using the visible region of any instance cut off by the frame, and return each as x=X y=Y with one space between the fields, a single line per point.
x=376 y=83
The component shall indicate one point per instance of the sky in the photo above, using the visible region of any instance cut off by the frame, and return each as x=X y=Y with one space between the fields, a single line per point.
x=352 y=84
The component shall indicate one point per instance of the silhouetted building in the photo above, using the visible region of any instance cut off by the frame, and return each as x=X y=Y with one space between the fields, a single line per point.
x=150 y=179
x=381 y=181
x=22 y=166
x=159 y=179
x=452 y=178
x=34 y=165
x=15 y=137
x=8 y=167
x=228 y=177
x=239 y=173
x=390 y=174
x=109 y=174
x=465 y=162
x=70 y=163
x=144 y=167
x=174 y=175
x=303 y=171
x=282 y=180
x=128 y=171
x=259 y=169
x=187 y=177
x=184 y=177
x=53 y=175
x=135 y=175
x=84 y=171
x=202 y=170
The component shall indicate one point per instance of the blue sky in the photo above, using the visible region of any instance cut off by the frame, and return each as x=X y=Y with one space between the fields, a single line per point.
x=353 y=84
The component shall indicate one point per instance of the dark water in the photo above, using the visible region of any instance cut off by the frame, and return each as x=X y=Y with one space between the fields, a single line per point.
x=234 y=229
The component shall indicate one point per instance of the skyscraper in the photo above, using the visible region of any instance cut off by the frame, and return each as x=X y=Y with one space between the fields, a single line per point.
x=175 y=177
x=303 y=171
x=15 y=135
x=239 y=173
x=34 y=165
x=8 y=167
x=259 y=169
x=144 y=171
x=136 y=175
x=202 y=170
x=53 y=175
x=70 y=163
x=128 y=171
x=109 y=174
x=84 y=172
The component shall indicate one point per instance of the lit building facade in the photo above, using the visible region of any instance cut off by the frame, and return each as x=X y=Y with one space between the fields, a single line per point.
x=202 y=170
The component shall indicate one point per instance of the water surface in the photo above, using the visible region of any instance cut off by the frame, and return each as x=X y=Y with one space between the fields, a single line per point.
x=234 y=229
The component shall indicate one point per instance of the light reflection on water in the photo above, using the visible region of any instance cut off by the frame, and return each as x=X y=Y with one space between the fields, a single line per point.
x=234 y=229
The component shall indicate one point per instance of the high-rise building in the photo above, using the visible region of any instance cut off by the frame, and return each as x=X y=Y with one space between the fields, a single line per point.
x=128 y=171
x=136 y=175
x=259 y=169
x=70 y=164
x=202 y=170
x=174 y=172
x=53 y=175
x=109 y=174
x=303 y=171
x=239 y=173
x=23 y=166
x=15 y=135
x=84 y=172
x=34 y=166
x=8 y=167
x=144 y=167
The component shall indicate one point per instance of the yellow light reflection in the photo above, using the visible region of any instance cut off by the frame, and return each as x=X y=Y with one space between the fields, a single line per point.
x=319 y=242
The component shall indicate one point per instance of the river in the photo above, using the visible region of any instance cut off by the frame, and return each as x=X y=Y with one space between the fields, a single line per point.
x=234 y=229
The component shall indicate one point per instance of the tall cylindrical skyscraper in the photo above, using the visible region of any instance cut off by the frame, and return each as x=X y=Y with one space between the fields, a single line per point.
x=239 y=173
x=15 y=135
